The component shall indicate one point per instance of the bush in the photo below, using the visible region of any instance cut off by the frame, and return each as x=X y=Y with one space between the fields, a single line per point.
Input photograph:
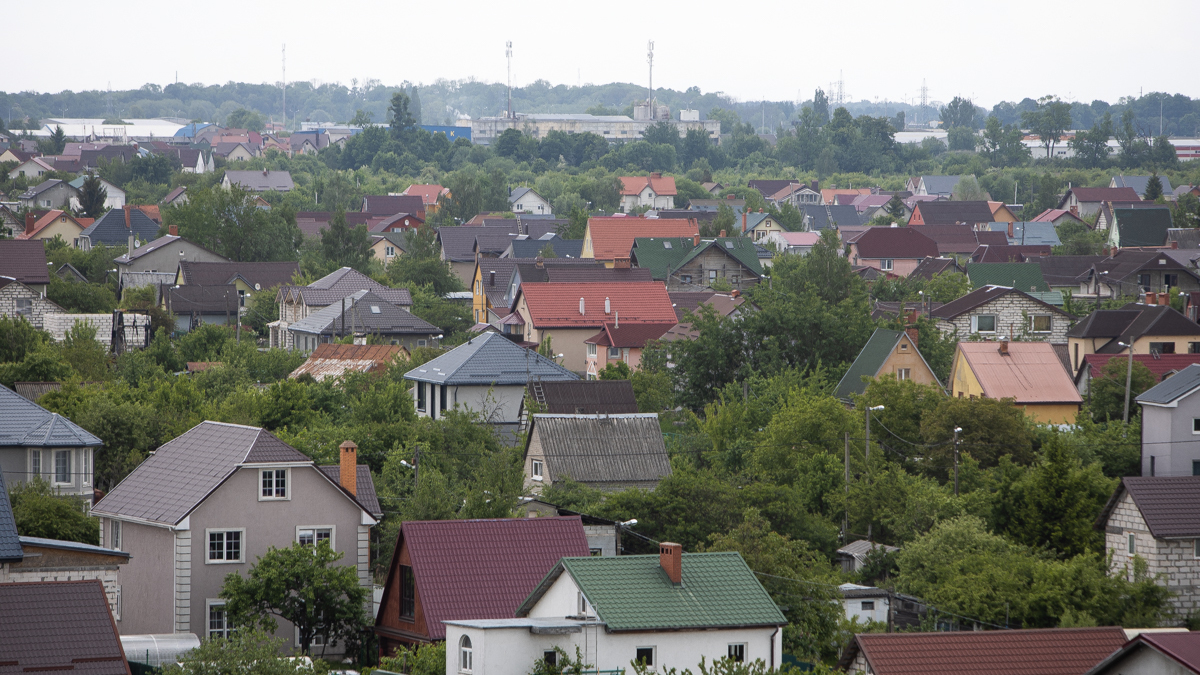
x=40 y=512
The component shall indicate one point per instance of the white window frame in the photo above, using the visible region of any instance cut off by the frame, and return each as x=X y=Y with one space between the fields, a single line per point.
x=614 y=353
x=35 y=463
x=887 y=264
x=317 y=641
x=208 y=630
x=224 y=546
x=868 y=602
x=332 y=533
x=1196 y=426
x=536 y=468
x=54 y=456
x=287 y=485
x=24 y=306
x=1196 y=548
x=653 y=665
x=975 y=323
x=1033 y=323
x=114 y=535
x=903 y=374
x=736 y=651
x=85 y=458
x=591 y=351
x=466 y=654
x=117 y=603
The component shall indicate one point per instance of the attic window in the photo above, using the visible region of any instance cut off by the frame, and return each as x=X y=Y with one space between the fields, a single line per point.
x=1162 y=261
x=729 y=244
x=375 y=309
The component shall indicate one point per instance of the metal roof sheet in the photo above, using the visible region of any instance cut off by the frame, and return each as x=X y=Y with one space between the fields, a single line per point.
x=1030 y=373
x=489 y=359
x=10 y=541
x=333 y=360
x=1170 y=505
x=24 y=423
x=1173 y=388
x=59 y=626
x=365 y=493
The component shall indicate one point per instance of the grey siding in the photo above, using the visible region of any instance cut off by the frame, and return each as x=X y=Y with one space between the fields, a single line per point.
x=147 y=580
x=1167 y=437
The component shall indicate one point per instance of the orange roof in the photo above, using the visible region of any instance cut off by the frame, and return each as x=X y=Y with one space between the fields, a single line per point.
x=332 y=361
x=1030 y=373
x=612 y=237
x=46 y=220
x=828 y=194
x=557 y=305
x=662 y=185
x=151 y=211
x=428 y=193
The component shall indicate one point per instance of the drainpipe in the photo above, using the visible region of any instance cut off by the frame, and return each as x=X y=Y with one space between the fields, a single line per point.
x=772 y=664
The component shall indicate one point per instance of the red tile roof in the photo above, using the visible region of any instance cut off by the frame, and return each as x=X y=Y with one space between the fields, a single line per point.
x=1048 y=651
x=46 y=220
x=1159 y=365
x=484 y=569
x=895 y=242
x=557 y=305
x=612 y=237
x=1030 y=373
x=1050 y=215
x=629 y=334
x=661 y=185
x=428 y=193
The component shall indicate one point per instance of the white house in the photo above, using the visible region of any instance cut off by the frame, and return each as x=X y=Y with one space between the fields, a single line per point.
x=526 y=200
x=114 y=197
x=654 y=191
x=666 y=611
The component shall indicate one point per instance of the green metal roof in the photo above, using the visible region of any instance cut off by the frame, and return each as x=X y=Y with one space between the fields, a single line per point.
x=632 y=592
x=1025 y=276
x=1142 y=227
x=868 y=363
x=660 y=254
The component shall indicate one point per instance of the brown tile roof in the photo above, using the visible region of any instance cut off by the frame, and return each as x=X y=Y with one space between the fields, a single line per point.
x=428 y=193
x=59 y=626
x=895 y=242
x=1005 y=253
x=365 y=493
x=629 y=334
x=612 y=237
x=390 y=205
x=333 y=360
x=929 y=267
x=1046 y=651
x=264 y=274
x=1183 y=648
x=24 y=261
x=1030 y=373
x=953 y=238
x=585 y=397
x=949 y=212
x=1170 y=505
x=557 y=305
x=685 y=301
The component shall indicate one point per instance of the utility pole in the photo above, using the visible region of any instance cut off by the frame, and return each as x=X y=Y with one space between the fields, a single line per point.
x=1128 y=380
x=868 y=453
x=650 y=92
x=846 y=514
x=957 y=430
x=508 y=55
x=285 y=86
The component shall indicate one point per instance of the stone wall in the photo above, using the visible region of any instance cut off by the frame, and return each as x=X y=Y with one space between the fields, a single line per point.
x=39 y=309
x=1175 y=559
x=1013 y=318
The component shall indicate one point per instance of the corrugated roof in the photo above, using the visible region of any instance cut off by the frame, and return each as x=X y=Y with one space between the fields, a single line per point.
x=940 y=185
x=1021 y=276
x=1045 y=651
x=610 y=397
x=60 y=544
x=1183 y=648
x=10 y=541
x=951 y=238
x=24 y=423
x=1138 y=183
x=333 y=360
x=558 y=305
x=59 y=626
x=24 y=260
x=179 y=475
x=868 y=362
x=183 y=300
x=483 y=569
x=532 y=248
x=631 y=592
x=1030 y=373
x=1161 y=365
x=490 y=359
x=1142 y=227
x=672 y=253
x=1102 y=194
x=428 y=193
x=1173 y=388
x=364 y=488
x=597 y=273
x=602 y=448
x=387 y=205
x=895 y=242
x=613 y=237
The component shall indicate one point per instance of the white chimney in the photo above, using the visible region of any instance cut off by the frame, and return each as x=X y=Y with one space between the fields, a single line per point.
x=581 y=306
x=607 y=306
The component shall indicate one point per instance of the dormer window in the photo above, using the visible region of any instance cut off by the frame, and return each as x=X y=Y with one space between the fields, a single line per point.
x=274 y=484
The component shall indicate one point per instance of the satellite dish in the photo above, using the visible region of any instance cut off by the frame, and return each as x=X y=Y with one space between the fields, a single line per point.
x=257 y=287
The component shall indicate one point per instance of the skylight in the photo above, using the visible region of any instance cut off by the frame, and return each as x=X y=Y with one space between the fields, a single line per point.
x=666 y=244
x=374 y=309
x=729 y=244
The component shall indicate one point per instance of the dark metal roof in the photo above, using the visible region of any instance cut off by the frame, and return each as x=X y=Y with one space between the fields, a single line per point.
x=1173 y=388
x=261 y=274
x=59 y=626
x=10 y=541
x=1064 y=270
x=602 y=448
x=364 y=312
x=895 y=242
x=342 y=283
x=490 y=359
x=24 y=260
x=110 y=229
x=364 y=488
x=612 y=397
x=929 y=267
x=949 y=212
x=388 y=205
x=531 y=248
x=1170 y=505
x=24 y=423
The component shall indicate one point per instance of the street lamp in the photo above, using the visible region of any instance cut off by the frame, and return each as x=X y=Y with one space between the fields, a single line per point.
x=1128 y=380
x=868 y=444
x=957 y=431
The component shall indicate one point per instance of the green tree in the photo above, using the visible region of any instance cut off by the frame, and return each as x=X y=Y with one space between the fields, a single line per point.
x=302 y=585
x=991 y=429
x=252 y=652
x=343 y=246
x=962 y=138
x=86 y=355
x=1154 y=188
x=1106 y=393
x=1091 y=147
x=967 y=190
x=245 y=119
x=91 y=197
x=1003 y=143
x=426 y=659
x=18 y=337
x=1049 y=121
x=947 y=287
x=41 y=512
x=960 y=112
x=231 y=224
x=400 y=117
x=662 y=132
x=615 y=371
x=81 y=297
x=820 y=107
x=1078 y=239
x=895 y=208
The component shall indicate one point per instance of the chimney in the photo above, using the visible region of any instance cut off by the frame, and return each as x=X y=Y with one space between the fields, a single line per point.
x=760 y=210
x=695 y=240
x=1164 y=299
x=814 y=186
x=492 y=278
x=911 y=332
x=1174 y=244
x=1010 y=229
x=734 y=293
x=622 y=263
x=655 y=174
x=730 y=196
x=30 y=219
x=173 y=230
x=1003 y=346
x=1151 y=298
x=1075 y=211
x=607 y=306
x=539 y=262
x=670 y=558
x=617 y=320
x=348 y=474
x=581 y=306
x=722 y=233
x=265 y=172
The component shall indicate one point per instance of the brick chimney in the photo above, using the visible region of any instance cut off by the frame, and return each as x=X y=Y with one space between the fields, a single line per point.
x=173 y=230
x=815 y=187
x=1075 y=211
x=695 y=240
x=721 y=234
x=1151 y=298
x=1010 y=229
x=911 y=332
x=670 y=557
x=1164 y=299
x=621 y=263
x=30 y=220
x=348 y=474
x=655 y=174
x=1003 y=346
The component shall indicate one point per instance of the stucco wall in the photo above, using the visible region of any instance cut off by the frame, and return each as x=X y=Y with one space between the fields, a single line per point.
x=148 y=579
x=1175 y=559
x=498 y=404
x=1167 y=436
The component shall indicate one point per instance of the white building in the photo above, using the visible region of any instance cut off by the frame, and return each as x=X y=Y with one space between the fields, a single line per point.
x=614 y=128
x=526 y=200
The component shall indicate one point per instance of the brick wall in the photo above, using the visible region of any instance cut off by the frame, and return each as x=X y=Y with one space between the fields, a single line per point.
x=1011 y=320
x=1175 y=559
x=41 y=307
x=135 y=326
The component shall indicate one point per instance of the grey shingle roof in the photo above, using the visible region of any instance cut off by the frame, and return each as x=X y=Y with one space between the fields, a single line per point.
x=365 y=486
x=341 y=283
x=602 y=448
x=110 y=229
x=263 y=274
x=531 y=248
x=24 y=423
x=940 y=185
x=181 y=474
x=367 y=313
x=486 y=360
x=10 y=541
x=260 y=181
x=1173 y=388
x=1139 y=183
x=818 y=217
x=59 y=626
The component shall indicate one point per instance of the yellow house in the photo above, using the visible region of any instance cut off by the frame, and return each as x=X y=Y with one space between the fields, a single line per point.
x=387 y=246
x=55 y=224
x=1001 y=214
x=888 y=352
x=1151 y=329
x=758 y=225
x=1030 y=373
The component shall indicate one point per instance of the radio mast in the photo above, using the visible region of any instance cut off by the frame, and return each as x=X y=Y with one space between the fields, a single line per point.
x=650 y=93
x=508 y=55
x=285 y=86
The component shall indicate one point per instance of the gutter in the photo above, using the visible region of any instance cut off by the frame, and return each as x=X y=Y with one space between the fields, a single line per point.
x=771 y=664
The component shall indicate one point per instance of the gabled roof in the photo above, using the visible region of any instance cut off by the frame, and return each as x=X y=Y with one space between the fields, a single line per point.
x=939 y=185
x=950 y=212
x=25 y=261
x=1051 y=215
x=930 y=267
x=364 y=312
x=1009 y=254
x=518 y=193
x=1022 y=276
x=981 y=296
x=261 y=181
x=1171 y=390
x=1183 y=648
x=185 y=300
x=1030 y=373
x=1134 y=321
x=341 y=283
x=583 y=397
x=364 y=489
x=602 y=448
x=661 y=185
x=458 y=242
x=823 y=217
x=151 y=246
x=1031 y=233
x=25 y=424
x=768 y=188
x=962 y=238
x=1100 y=194
x=613 y=237
x=428 y=193
x=895 y=242
x=38 y=189
x=628 y=334
x=1170 y=505
x=558 y=305
x=631 y=592
x=48 y=219
x=1038 y=651
x=1185 y=238
x=1142 y=227
x=668 y=254
x=174 y=194
x=261 y=274
x=490 y=359
x=531 y=248
x=113 y=228
x=388 y=205
x=484 y=568
x=10 y=541
x=1138 y=183
x=173 y=481
x=330 y=360
x=58 y=626
x=1064 y=270
x=870 y=360
x=1161 y=366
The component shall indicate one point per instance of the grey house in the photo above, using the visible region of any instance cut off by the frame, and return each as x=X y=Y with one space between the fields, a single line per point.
x=51 y=194
x=607 y=452
x=1171 y=425
x=161 y=256
x=213 y=500
x=297 y=302
x=363 y=313
x=35 y=442
x=487 y=376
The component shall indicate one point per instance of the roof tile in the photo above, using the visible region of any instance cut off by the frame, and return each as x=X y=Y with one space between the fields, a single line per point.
x=59 y=626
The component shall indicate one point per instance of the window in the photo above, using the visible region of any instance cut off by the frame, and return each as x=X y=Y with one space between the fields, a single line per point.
x=581 y=604
x=550 y=657
x=904 y=373
x=536 y=470
x=408 y=593
x=117 y=603
x=85 y=458
x=274 y=484
x=1132 y=544
x=591 y=351
x=62 y=466
x=614 y=352
x=1162 y=347
x=595 y=552
x=114 y=535
x=983 y=323
x=1144 y=281
x=903 y=346
x=734 y=279
x=389 y=251
x=24 y=306
x=644 y=656
x=464 y=655
x=712 y=276
x=421 y=396
x=35 y=463
x=1151 y=465
x=218 y=626
x=1194 y=347
x=1040 y=323
x=241 y=298
x=886 y=264
x=1196 y=425
x=420 y=343
x=311 y=536
x=737 y=652
x=868 y=606
x=225 y=546
x=1169 y=280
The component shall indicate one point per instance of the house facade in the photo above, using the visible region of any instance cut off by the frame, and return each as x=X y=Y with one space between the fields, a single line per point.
x=19 y=300
x=298 y=302
x=36 y=443
x=164 y=255
x=51 y=194
x=698 y=264
x=238 y=491
x=654 y=191
x=1029 y=373
x=527 y=200
x=362 y=314
x=888 y=352
x=1171 y=425
x=1151 y=329
x=1000 y=311
x=895 y=250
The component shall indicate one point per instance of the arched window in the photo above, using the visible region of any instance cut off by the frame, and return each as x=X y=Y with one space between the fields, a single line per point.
x=464 y=654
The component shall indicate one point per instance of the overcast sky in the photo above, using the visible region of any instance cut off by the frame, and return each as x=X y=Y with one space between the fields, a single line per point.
x=993 y=51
